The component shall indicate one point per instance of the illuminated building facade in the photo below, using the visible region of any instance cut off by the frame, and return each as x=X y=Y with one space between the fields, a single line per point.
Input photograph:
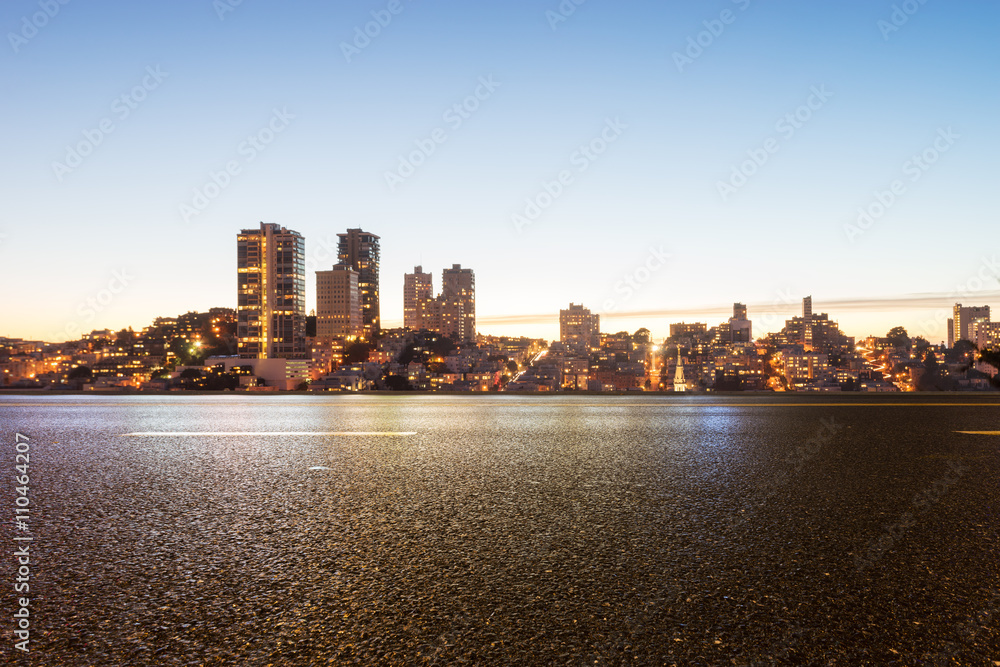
x=338 y=304
x=271 y=296
x=579 y=329
x=458 y=291
x=965 y=318
x=452 y=313
x=417 y=288
x=360 y=250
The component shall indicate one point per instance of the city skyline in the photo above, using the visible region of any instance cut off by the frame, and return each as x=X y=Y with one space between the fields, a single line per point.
x=358 y=248
x=661 y=162
x=771 y=317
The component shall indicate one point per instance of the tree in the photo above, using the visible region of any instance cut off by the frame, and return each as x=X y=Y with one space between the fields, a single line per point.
x=963 y=351
x=920 y=345
x=641 y=336
x=406 y=356
x=81 y=373
x=992 y=357
x=931 y=379
x=397 y=383
x=357 y=352
x=442 y=346
x=898 y=337
x=512 y=367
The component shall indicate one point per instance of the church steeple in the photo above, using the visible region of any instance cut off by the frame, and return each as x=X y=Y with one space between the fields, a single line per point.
x=680 y=384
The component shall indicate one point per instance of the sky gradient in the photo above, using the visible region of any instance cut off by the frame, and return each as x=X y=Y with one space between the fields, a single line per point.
x=821 y=109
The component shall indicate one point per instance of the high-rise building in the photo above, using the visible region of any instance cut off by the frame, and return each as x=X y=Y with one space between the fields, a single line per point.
x=813 y=331
x=271 y=293
x=360 y=251
x=338 y=304
x=964 y=319
x=458 y=288
x=740 y=328
x=452 y=313
x=417 y=288
x=579 y=329
x=807 y=322
x=986 y=335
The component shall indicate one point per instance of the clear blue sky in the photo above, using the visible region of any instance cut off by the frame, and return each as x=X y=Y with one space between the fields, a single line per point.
x=676 y=128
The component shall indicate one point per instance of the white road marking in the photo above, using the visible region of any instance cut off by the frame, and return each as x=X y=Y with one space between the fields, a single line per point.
x=200 y=434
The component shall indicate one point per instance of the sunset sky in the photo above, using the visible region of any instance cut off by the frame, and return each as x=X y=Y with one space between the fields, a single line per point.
x=661 y=159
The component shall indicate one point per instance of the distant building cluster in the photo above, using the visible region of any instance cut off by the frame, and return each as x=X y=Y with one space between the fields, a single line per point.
x=451 y=313
x=270 y=343
x=809 y=354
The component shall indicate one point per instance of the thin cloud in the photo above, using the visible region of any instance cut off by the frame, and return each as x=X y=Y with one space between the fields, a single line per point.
x=906 y=302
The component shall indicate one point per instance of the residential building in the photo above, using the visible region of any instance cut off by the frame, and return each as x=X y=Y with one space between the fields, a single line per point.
x=360 y=250
x=417 y=288
x=807 y=322
x=986 y=334
x=452 y=313
x=579 y=329
x=338 y=304
x=813 y=332
x=740 y=328
x=458 y=289
x=964 y=319
x=271 y=293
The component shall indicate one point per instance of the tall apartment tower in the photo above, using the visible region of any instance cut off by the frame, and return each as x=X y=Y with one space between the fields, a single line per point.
x=965 y=318
x=458 y=291
x=417 y=288
x=807 y=322
x=579 y=329
x=271 y=293
x=360 y=251
x=338 y=304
